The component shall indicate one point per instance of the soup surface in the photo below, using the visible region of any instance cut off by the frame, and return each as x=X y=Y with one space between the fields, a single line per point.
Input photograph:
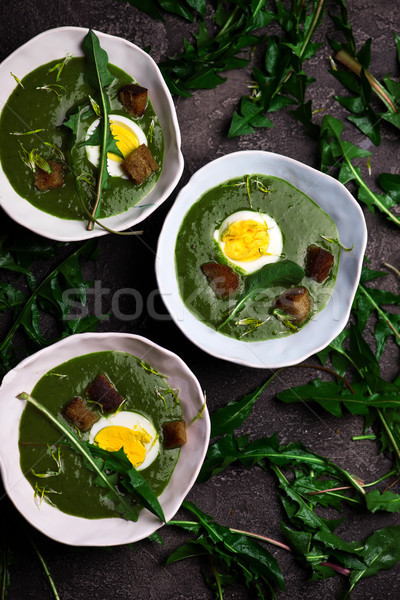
x=146 y=393
x=41 y=106
x=294 y=222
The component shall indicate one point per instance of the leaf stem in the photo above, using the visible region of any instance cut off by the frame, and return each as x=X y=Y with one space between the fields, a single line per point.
x=362 y=184
x=351 y=63
x=389 y=433
x=4 y=571
x=217 y=579
x=380 y=311
x=45 y=569
x=392 y=268
x=306 y=41
x=227 y=23
x=313 y=25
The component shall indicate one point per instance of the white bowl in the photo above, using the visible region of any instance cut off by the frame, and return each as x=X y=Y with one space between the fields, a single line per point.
x=57 y=43
x=331 y=196
x=78 y=531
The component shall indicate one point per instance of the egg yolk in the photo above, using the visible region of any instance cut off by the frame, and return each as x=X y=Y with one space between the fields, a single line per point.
x=114 y=437
x=125 y=138
x=245 y=240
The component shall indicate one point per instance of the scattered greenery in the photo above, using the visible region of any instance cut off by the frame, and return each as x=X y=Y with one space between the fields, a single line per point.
x=306 y=482
x=26 y=305
x=234 y=556
x=361 y=83
x=183 y=8
x=200 y=63
x=282 y=81
x=336 y=152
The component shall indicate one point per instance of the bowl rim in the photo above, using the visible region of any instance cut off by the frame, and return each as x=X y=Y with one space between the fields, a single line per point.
x=67 y=230
x=253 y=354
x=79 y=531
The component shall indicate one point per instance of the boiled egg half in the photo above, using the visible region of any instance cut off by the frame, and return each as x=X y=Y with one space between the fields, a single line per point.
x=128 y=136
x=131 y=431
x=250 y=240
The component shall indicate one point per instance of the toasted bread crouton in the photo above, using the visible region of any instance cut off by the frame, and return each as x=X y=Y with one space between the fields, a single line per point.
x=104 y=393
x=174 y=434
x=80 y=414
x=49 y=181
x=318 y=263
x=133 y=98
x=295 y=302
x=222 y=279
x=140 y=164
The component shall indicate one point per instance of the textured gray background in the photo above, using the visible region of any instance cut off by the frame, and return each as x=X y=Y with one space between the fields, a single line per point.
x=245 y=499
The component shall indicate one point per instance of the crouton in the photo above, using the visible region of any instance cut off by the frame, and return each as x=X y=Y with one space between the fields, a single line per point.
x=133 y=98
x=318 y=263
x=104 y=393
x=295 y=302
x=79 y=414
x=49 y=181
x=174 y=434
x=139 y=164
x=222 y=279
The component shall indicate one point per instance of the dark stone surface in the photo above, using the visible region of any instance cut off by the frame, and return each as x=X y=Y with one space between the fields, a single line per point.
x=244 y=499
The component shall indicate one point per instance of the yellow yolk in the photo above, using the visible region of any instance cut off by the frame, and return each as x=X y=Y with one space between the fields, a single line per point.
x=245 y=241
x=126 y=140
x=114 y=437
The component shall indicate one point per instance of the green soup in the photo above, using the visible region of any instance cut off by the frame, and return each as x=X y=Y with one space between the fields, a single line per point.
x=302 y=223
x=73 y=491
x=44 y=105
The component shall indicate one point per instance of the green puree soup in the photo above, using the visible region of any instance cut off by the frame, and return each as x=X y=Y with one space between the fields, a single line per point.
x=145 y=391
x=33 y=120
x=302 y=223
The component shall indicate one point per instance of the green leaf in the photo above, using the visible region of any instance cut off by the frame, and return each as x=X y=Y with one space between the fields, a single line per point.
x=229 y=417
x=132 y=480
x=284 y=272
x=236 y=550
x=381 y=551
x=387 y=501
x=96 y=71
x=99 y=77
x=250 y=118
x=390 y=183
x=47 y=295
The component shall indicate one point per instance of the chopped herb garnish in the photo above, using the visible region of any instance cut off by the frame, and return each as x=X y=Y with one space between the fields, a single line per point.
x=26 y=132
x=55 y=88
x=60 y=66
x=17 y=80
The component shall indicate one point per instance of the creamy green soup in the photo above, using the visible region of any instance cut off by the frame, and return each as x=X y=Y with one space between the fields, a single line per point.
x=73 y=491
x=301 y=222
x=42 y=105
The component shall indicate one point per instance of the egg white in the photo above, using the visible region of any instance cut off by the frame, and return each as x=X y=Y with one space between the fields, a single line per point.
x=93 y=152
x=275 y=239
x=134 y=421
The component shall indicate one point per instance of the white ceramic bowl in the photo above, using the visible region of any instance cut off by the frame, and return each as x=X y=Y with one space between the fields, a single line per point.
x=78 y=531
x=331 y=196
x=57 y=43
